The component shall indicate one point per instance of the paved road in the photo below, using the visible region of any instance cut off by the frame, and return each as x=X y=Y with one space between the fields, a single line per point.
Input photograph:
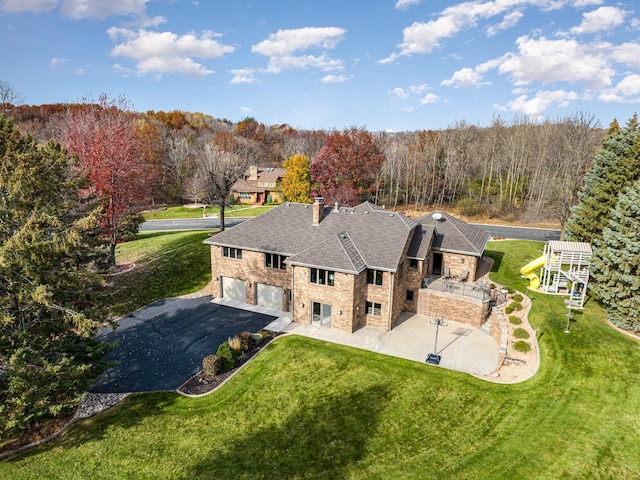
x=189 y=224
x=162 y=345
x=518 y=233
x=521 y=233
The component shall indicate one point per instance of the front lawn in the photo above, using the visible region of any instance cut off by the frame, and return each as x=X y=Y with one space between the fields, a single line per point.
x=308 y=409
x=168 y=264
x=178 y=211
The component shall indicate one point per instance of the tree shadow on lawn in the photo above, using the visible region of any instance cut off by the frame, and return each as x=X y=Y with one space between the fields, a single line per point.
x=321 y=440
x=497 y=259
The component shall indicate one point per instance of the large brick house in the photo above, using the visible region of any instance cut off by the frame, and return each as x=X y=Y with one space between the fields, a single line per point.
x=341 y=267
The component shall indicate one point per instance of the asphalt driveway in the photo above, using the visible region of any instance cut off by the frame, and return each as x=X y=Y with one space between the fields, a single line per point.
x=163 y=344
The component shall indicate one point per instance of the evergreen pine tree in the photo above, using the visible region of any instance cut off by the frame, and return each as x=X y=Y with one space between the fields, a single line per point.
x=616 y=166
x=48 y=283
x=616 y=262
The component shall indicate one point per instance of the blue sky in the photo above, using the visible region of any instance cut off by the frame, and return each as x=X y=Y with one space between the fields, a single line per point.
x=380 y=64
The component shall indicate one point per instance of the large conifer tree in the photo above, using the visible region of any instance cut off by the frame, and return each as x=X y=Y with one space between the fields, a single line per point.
x=48 y=282
x=616 y=166
x=616 y=262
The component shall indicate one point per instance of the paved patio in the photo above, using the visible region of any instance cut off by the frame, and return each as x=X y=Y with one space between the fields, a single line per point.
x=461 y=347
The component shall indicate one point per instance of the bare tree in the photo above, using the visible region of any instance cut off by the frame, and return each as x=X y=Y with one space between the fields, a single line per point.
x=8 y=96
x=223 y=160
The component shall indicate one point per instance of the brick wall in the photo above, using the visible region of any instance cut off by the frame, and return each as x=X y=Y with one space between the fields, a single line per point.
x=458 y=264
x=250 y=268
x=467 y=310
x=340 y=296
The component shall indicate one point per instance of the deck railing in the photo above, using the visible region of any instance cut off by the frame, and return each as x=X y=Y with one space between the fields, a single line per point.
x=464 y=289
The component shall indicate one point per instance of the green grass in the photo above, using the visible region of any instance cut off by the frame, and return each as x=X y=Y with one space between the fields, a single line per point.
x=178 y=211
x=308 y=409
x=168 y=264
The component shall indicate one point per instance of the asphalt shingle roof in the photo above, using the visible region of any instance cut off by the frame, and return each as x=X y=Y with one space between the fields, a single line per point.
x=375 y=238
x=455 y=236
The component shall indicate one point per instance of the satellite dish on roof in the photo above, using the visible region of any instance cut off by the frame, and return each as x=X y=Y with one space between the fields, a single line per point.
x=437 y=216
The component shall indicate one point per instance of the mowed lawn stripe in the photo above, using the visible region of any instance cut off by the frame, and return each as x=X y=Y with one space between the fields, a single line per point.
x=309 y=409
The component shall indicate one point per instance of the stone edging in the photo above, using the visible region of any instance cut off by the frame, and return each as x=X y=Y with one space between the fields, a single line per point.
x=198 y=395
x=96 y=403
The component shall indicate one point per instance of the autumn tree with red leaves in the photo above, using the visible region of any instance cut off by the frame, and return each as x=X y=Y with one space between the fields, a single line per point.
x=348 y=166
x=111 y=150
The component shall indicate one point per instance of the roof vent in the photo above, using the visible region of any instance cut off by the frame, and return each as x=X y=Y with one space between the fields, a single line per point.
x=437 y=216
x=343 y=235
x=391 y=214
x=366 y=212
x=287 y=204
x=306 y=206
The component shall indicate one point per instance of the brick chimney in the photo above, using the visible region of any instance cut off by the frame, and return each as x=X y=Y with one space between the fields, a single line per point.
x=318 y=210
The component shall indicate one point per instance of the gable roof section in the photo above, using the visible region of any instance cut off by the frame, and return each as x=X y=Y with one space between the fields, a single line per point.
x=455 y=236
x=421 y=242
x=378 y=236
x=335 y=253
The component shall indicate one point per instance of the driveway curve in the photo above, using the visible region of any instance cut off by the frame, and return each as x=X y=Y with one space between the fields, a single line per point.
x=162 y=345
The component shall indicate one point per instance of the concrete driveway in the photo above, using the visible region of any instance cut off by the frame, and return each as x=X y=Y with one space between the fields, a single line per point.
x=163 y=344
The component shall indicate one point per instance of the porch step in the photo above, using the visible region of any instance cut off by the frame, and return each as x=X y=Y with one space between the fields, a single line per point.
x=486 y=327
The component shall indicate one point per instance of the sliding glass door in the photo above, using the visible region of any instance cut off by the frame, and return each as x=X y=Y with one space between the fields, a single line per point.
x=321 y=314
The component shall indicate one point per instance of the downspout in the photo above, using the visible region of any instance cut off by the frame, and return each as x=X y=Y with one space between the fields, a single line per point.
x=389 y=309
x=293 y=302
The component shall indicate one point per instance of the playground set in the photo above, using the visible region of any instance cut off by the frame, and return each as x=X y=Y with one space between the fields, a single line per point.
x=564 y=271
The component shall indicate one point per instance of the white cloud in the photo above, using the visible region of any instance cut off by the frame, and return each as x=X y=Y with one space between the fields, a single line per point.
x=282 y=46
x=166 y=52
x=542 y=100
x=586 y=3
x=551 y=61
x=627 y=90
x=510 y=20
x=243 y=75
x=36 y=6
x=428 y=98
x=603 y=18
x=333 y=79
x=424 y=37
x=402 y=4
x=101 y=8
x=465 y=78
x=55 y=61
x=77 y=9
x=418 y=89
x=398 y=92
x=627 y=54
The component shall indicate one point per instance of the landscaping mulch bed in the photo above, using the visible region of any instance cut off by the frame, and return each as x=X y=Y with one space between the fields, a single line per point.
x=200 y=383
x=36 y=433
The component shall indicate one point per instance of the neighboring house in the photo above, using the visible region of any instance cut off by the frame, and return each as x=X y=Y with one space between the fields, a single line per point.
x=345 y=267
x=257 y=184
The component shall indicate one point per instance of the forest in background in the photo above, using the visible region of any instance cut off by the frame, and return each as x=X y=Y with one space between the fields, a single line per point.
x=516 y=170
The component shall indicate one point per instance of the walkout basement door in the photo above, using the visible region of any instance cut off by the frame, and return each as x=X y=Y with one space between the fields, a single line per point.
x=234 y=289
x=269 y=296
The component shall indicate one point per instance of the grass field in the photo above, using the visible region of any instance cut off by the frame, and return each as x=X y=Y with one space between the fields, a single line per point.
x=178 y=211
x=309 y=409
x=168 y=264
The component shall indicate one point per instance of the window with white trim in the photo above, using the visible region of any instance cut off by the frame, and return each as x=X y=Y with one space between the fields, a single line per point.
x=231 y=252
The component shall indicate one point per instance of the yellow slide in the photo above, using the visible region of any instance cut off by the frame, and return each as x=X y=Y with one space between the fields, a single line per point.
x=527 y=271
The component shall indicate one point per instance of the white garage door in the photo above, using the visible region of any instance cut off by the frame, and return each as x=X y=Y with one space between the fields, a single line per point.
x=269 y=296
x=234 y=289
